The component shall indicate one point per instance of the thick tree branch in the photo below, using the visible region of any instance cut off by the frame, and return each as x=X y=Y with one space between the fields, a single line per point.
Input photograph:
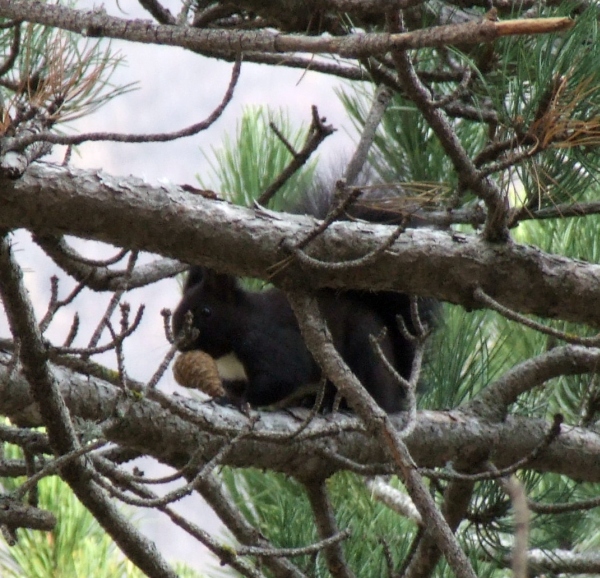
x=97 y=23
x=166 y=220
x=17 y=515
x=438 y=437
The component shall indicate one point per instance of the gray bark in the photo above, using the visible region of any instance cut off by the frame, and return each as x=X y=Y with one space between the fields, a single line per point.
x=173 y=433
x=130 y=213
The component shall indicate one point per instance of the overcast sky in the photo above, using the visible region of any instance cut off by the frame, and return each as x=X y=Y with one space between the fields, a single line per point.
x=176 y=89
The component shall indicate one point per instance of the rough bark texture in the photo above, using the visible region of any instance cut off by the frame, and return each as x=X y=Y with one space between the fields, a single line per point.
x=173 y=432
x=130 y=213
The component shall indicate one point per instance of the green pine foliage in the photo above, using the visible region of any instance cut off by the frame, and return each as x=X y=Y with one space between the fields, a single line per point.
x=279 y=509
x=247 y=163
x=73 y=549
x=545 y=82
x=551 y=84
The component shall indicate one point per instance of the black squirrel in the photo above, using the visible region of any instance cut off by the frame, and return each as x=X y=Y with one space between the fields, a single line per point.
x=261 y=356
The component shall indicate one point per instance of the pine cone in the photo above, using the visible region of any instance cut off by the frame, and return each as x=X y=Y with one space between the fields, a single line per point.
x=198 y=370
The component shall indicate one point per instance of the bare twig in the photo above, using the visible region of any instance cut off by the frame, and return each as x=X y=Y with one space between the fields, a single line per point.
x=163 y=366
x=286 y=143
x=562 y=211
x=72 y=331
x=213 y=492
x=321 y=346
x=96 y=275
x=167 y=314
x=33 y=494
x=343 y=199
x=186 y=489
x=22 y=141
x=182 y=17
x=118 y=349
x=55 y=304
x=58 y=423
x=366 y=259
x=383 y=469
x=57 y=246
x=113 y=303
x=162 y=14
x=317 y=133
x=54 y=466
x=459 y=91
x=482 y=296
x=314 y=411
x=224 y=553
x=381 y=99
x=116 y=341
x=327 y=528
x=290 y=552
x=561 y=508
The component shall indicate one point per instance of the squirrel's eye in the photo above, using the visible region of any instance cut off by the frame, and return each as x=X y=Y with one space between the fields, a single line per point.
x=205 y=311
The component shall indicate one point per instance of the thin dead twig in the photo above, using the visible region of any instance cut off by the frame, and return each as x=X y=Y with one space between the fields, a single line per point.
x=484 y=298
x=317 y=133
x=22 y=141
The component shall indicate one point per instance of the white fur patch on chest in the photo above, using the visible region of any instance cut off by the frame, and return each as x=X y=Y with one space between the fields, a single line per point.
x=231 y=368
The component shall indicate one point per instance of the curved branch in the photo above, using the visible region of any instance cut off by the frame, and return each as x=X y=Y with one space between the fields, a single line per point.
x=101 y=278
x=29 y=137
x=567 y=360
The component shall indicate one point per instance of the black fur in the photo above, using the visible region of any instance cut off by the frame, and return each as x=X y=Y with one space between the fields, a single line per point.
x=260 y=329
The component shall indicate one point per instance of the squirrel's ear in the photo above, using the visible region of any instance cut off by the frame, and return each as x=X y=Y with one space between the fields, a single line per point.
x=225 y=287
x=194 y=277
